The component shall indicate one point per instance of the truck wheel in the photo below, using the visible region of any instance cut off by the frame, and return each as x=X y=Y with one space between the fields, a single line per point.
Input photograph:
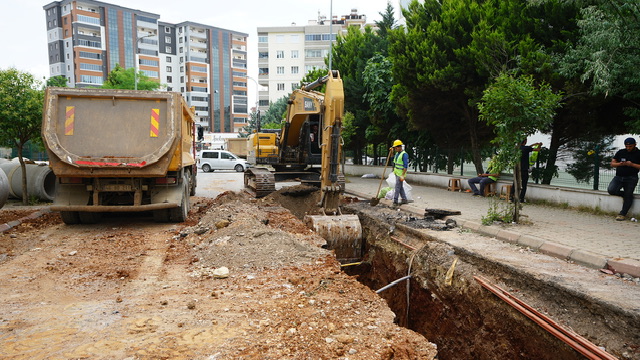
x=89 y=217
x=181 y=213
x=206 y=168
x=70 y=217
x=192 y=184
x=239 y=168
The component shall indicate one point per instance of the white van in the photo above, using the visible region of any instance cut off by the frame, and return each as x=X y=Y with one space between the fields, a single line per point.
x=209 y=160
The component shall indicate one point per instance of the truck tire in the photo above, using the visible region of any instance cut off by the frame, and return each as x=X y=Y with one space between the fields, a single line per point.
x=181 y=213
x=206 y=168
x=192 y=184
x=70 y=217
x=239 y=168
x=89 y=217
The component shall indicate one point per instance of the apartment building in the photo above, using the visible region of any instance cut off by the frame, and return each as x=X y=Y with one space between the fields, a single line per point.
x=287 y=53
x=208 y=65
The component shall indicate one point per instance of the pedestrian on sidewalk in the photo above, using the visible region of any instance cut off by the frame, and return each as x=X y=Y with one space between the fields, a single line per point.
x=400 y=166
x=490 y=176
x=627 y=164
x=526 y=151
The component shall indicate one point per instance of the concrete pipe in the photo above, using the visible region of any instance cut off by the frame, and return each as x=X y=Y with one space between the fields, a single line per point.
x=41 y=181
x=4 y=188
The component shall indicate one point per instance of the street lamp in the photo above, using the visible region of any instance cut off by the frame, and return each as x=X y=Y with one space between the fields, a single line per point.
x=135 y=65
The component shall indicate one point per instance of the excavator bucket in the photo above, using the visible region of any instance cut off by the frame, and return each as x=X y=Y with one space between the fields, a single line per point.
x=343 y=234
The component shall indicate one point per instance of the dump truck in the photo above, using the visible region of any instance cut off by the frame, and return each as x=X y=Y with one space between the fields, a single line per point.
x=119 y=151
x=238 y=146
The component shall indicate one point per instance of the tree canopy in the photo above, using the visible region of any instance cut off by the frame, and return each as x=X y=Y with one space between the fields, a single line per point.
x=120 y=78
x=21 y=102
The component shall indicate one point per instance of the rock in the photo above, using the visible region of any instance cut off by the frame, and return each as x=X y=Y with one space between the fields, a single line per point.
x=220 y=273
x=222 y=224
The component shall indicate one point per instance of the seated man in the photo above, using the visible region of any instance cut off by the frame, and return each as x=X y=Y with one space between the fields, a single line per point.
x=488 y=177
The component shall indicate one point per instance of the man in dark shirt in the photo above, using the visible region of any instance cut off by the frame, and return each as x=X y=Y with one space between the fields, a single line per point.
x=525 y=151
x=627 y=163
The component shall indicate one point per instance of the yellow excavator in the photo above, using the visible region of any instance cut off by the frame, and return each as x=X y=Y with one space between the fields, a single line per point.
x=309 y=149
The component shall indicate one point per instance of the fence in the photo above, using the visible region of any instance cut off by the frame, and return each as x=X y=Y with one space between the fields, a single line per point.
x=601 y=172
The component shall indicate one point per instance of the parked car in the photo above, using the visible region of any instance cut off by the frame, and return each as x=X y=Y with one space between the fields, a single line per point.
x=210 y=160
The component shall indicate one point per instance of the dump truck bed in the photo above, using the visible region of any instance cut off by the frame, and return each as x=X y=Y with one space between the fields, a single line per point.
x=104 y=132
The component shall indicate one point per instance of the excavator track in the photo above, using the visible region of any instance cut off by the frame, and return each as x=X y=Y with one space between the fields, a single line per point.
x=260 y=180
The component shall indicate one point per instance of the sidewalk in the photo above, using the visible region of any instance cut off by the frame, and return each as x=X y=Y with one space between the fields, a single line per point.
x=591 y=240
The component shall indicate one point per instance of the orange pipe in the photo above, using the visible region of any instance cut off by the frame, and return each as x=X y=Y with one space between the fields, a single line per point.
x=577 y=342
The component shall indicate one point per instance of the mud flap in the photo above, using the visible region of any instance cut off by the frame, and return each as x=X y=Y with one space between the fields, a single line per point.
x=343 y=234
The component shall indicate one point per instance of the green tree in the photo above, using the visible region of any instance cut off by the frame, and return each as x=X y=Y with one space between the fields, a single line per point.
x=607 y=53
x=120 y=78
x=21 y=103
x=57 y=81
x=350 y=55
x=445 y=58
x=516 y=108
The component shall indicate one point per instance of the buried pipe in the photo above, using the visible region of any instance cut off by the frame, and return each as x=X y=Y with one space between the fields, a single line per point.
x=4 y=188
x=392 y=284
x=577 y=342
x=41 y=181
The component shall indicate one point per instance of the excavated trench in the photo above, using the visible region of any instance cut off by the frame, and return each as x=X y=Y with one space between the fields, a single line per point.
x=444 y=301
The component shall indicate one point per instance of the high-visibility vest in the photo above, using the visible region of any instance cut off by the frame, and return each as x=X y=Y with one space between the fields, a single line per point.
x=398 y=166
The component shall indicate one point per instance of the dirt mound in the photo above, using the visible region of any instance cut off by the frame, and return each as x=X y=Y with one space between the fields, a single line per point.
x=240 y=234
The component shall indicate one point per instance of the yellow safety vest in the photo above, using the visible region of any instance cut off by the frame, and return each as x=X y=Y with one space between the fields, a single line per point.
x=398 y=163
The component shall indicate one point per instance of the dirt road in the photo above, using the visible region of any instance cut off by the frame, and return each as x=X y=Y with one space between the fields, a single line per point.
x=130 y=288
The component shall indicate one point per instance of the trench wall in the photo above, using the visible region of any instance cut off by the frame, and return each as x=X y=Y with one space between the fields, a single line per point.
x=467 y=321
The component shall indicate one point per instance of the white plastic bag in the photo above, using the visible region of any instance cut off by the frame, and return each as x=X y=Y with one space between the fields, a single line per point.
x=391 y=181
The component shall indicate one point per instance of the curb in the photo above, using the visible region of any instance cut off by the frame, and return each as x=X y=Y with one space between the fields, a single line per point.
x=545 y=246
x=34 y=215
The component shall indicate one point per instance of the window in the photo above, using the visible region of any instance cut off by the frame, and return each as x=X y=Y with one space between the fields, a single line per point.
x=181 y=50
x=148 y=62
x=280 y=39
x=295 y=38
x=169 y=79
x=167 y=29
x=280 y=54
x=88 y=55
x=198 y=68
x=295 y=86
x=263 y=39
x=91 y=79
x=167 y=39
x=294 y=70
x=167 y=49
x=169 y=69
x=263 y=55
x=168 y=59
x=263 y=71
x=280 y=86
x=181 y=68
x=294 y=54
x=280 y=70
x=91 y=67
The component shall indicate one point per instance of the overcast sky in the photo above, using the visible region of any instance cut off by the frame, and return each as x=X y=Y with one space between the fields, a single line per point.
x=24 y=37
